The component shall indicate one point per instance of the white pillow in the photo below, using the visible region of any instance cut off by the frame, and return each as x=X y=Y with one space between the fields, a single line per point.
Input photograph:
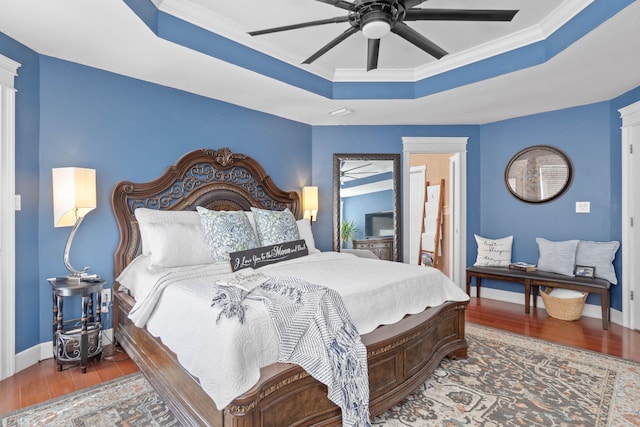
x=177 y=245
x=557 y=257
x=599 y=255
x=140 y=280
x=134 y=273
x=172 y=238
x=304 y=228
x=493 y=252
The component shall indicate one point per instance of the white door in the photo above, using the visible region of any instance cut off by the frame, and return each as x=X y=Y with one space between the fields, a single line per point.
x=417 y=180
x=634 y=235
x=455 y=263
x=630 y=215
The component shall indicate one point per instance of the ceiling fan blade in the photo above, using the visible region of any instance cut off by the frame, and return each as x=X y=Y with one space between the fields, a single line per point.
x=357 y=167
x=459 y=15
x=408 y=4
x=333 y=43
x=412 y=36
x=336 y=20
x=339 y=3
x=373 y=49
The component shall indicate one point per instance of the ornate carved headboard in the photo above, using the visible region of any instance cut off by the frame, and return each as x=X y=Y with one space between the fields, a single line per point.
x=215 y=179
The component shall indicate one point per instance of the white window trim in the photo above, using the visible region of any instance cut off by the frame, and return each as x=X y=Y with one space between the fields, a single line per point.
x=8 y=72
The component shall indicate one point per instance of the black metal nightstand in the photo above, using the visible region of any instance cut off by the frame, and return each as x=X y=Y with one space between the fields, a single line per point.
x=77 y=340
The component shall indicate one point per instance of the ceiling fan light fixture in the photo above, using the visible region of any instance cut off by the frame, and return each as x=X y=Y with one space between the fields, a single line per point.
x=376 y=29
x=375 y=24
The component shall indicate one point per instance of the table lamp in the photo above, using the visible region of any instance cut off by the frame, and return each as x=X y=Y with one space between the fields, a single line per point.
x=310 y=202
x=74 y=196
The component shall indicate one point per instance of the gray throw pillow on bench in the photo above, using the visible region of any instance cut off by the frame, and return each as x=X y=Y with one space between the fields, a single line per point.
x=557 y=257
x=562 y=257
x=599 y=255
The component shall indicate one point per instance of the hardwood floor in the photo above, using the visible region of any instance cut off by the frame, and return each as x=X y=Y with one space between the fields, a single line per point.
x=43 y=381
x=586 y=333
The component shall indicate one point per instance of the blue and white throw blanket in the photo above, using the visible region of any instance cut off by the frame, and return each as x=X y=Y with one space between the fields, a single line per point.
x=316 y=333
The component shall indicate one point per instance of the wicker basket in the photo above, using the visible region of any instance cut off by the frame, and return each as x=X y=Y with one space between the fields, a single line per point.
x=563 y=308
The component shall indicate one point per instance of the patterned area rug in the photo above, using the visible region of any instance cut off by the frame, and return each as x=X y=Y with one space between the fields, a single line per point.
x=512 y=380
x=508 y=380
x=126 y=401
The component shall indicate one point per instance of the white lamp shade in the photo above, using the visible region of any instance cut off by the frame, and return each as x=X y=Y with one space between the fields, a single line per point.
x=74 y=194
x=310 y=202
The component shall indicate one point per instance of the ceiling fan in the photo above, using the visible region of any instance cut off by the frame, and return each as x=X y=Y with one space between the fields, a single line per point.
x=376 y=18
x=349 y=174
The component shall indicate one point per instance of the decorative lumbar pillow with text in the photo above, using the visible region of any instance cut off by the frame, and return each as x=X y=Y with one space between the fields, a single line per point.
x=493 y=252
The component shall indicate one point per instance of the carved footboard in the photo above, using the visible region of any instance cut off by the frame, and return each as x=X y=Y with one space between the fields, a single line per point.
x=401 y=357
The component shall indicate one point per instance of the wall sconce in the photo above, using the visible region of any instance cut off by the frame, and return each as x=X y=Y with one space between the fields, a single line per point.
x=74 y=196
x=310 y=202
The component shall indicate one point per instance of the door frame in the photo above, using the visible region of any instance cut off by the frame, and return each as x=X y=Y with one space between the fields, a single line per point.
x=422 y=171
x=630 y=133
x=8 y=72
x=439 y=145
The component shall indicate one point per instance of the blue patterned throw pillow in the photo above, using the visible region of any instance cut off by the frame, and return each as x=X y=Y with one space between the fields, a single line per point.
x=275 y=227
x=226 y=231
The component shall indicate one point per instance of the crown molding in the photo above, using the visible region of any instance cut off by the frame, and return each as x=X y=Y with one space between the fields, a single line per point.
x=8 y=71
x=232 y=30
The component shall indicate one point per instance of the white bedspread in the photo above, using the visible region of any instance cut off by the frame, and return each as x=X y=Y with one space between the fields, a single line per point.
x=226 y=357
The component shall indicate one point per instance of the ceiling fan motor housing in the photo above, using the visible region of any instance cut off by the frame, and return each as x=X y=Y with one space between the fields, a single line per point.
x=376 y=12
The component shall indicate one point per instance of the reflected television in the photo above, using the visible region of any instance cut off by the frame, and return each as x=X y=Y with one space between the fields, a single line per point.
x=378 y=224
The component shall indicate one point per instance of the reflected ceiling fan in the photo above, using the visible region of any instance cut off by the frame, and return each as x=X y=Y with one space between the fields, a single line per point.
x=376 y=18
x=350 y=174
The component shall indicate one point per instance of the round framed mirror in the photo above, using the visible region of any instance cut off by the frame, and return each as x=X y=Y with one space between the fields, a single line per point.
x=538 y=174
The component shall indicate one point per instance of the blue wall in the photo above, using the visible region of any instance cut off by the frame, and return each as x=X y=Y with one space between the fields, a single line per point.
x=28 y=283
x=132 y=130
x=583 y=133
x=328 y=140
x=68 y=114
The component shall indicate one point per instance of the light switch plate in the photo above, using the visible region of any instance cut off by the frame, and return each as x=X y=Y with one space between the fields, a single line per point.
x=583 y=207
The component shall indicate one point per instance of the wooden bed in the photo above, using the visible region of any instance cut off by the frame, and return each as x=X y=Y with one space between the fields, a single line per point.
x=401 y=356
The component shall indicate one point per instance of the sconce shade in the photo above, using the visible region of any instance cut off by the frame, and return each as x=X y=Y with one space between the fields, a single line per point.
x=310 y=202
x=74 y=194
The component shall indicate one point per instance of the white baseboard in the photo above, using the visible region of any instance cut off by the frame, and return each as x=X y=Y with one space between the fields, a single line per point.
x=43 y=351
x=590 y=310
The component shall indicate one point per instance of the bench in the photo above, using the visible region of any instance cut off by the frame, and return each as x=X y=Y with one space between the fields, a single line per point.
x=532 y=280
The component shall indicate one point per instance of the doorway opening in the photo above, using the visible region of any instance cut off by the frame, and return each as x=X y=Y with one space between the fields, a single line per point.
x=456 y=149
